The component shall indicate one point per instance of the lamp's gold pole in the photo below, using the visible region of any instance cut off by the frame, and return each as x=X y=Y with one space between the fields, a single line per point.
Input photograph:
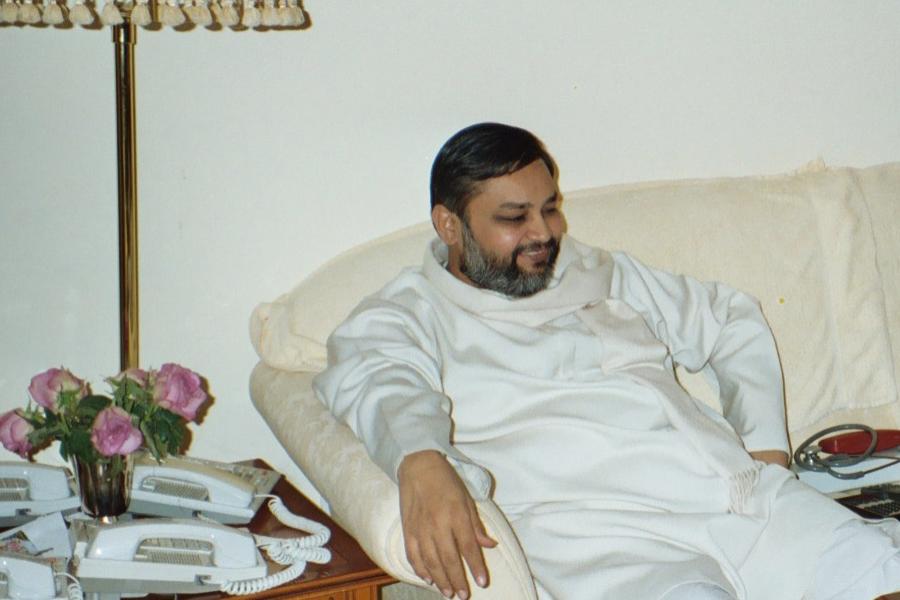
x=125 y=37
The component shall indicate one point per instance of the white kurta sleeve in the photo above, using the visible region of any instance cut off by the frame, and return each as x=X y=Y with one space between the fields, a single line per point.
x=715 y=328
x=383 y=381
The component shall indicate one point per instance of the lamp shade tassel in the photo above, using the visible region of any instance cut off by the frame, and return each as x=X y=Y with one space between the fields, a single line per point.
x=204 y=16
x=299 y=17
x=170 y=14
x=199 y=13
x=213 y=14
x=229 y=16
x=286 y=16
x=9 y=12
x=140 y=14
x=110 y=14
x=270 y=14
x=252 y=16
x=189 y=10
x=53 y=14
x=29 y=13
x=81 y=14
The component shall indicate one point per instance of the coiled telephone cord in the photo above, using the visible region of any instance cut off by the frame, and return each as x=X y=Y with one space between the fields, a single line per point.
x=73 y=589
x=253 y=586
x=295 y=552
x=320 y=533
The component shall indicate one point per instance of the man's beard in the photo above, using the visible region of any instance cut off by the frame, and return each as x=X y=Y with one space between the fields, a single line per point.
x=494 y=273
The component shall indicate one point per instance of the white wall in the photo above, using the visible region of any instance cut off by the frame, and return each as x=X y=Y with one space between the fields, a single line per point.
x=261 y=155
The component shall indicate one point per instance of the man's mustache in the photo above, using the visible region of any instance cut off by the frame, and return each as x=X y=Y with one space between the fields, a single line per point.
x=552 y=245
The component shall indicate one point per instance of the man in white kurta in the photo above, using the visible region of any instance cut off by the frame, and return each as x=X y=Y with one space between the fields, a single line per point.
x=542 y=371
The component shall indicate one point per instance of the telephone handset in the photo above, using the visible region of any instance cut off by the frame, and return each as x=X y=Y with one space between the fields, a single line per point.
x=847 y=450
x=847 y=457
x=180 y=486
x=30 y=577
x=162 y=556
x=30 y=489
x=857 y=443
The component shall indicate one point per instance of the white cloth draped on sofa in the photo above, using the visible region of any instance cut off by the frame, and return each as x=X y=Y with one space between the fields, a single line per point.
x=820 y=249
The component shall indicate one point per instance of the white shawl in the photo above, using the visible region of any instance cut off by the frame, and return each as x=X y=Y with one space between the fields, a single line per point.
x=581 y=284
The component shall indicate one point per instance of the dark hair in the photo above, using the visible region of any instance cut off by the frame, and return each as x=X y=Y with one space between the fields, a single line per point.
x=481 y=152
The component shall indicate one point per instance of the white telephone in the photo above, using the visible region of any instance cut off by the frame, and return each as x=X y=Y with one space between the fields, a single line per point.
x=31 y=577
x=180 y=486
x=171 y=556
x=29 y=489
x=162 y=556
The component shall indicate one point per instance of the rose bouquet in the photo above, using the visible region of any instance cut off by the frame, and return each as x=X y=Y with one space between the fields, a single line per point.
x=147 y=409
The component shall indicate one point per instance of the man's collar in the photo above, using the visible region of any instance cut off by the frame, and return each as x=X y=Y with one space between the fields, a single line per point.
x=581 y=277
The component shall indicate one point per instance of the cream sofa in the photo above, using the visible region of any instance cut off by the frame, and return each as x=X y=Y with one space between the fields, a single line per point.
x=820 y=249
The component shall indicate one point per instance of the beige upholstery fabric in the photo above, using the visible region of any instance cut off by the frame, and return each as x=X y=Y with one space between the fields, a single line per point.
x=820 y=250
x=881 y=189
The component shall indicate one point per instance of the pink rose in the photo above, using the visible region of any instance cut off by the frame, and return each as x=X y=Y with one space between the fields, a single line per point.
x=46 y=387
x=113 y=433
x=14 y=432
x=179 y=390
x=139 y=376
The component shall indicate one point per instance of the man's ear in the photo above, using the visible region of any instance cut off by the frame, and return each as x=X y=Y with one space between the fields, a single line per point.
x=447 y=225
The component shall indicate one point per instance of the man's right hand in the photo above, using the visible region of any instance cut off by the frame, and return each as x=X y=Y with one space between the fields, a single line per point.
x=441 y=526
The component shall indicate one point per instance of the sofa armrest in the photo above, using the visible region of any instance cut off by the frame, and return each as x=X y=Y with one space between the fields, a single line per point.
x=363 y=499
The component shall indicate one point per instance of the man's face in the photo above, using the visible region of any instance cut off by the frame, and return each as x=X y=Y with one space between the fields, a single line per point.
x=509 y=239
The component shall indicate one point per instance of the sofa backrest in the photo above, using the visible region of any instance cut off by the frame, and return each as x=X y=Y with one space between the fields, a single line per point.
x=820 y=250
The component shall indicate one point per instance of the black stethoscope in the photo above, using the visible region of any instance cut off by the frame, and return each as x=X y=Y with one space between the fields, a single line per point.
x=808 y=454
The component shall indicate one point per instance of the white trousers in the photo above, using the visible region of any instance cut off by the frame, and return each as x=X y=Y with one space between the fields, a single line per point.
x=862 y=563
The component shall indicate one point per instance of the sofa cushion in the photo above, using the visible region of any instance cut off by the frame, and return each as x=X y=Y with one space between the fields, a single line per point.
x=290 y=333
x=881 y=191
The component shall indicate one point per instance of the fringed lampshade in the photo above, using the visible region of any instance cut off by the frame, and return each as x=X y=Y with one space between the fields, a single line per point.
x=123 y=17
x=237 y=14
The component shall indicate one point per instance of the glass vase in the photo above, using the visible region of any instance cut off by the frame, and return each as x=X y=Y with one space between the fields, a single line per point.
x=105 y=486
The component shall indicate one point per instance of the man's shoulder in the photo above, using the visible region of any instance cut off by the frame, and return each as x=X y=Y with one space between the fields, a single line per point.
x=409 y=290
x=409 y=281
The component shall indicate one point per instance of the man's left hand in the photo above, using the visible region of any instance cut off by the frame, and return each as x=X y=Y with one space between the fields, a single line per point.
x=772 y=457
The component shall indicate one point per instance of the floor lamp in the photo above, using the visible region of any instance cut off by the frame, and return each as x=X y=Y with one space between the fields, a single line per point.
x=124 y=17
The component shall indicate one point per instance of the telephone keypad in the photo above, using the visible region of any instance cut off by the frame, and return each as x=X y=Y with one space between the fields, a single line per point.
x=175 y=487
x=13 y=489
x=175 y=551
x=257 y=478
x=261 y=480
x=883 y=507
